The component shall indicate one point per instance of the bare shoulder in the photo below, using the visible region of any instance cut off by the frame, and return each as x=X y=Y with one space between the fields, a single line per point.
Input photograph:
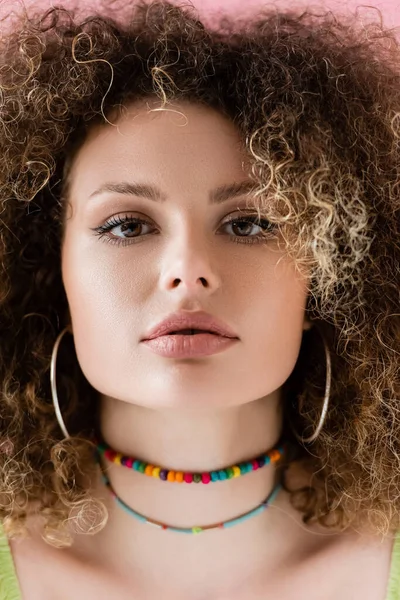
x=48 y=573
x=330 y=565
x=354 y=566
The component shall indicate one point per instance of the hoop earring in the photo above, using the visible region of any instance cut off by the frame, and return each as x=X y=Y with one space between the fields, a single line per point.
x=326 y=399
x=53 y=381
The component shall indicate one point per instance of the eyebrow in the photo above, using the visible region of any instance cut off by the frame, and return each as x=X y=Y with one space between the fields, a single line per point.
x=151 y=192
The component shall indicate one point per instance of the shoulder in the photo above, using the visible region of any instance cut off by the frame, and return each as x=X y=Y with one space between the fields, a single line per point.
x=354 y=566
x=45 y=572
x=333 y=564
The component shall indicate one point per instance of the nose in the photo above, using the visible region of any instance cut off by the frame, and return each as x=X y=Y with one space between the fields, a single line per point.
x=190 y=265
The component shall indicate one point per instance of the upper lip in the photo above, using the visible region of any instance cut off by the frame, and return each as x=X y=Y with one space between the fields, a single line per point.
x=198 y=320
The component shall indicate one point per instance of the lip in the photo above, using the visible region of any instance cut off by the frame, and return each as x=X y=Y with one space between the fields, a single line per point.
x=195 y=320
x=189 y=346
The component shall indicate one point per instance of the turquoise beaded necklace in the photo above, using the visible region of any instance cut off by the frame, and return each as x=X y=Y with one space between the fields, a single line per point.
x=197 y=529
x=271 y=456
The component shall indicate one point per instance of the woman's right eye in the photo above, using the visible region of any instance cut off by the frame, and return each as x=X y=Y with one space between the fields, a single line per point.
x=122 y=228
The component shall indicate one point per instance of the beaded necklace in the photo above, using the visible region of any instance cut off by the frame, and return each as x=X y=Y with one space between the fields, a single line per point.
x=196 y=529
x=179 y=476
x=271 y=456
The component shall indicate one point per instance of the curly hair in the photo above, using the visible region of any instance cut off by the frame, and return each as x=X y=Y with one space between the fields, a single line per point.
x=316 y=100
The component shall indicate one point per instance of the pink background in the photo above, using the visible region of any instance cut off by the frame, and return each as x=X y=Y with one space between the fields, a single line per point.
x=390 y=8
x=208 y=8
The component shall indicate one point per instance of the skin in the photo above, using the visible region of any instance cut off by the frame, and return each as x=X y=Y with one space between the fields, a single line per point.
x=196 y=414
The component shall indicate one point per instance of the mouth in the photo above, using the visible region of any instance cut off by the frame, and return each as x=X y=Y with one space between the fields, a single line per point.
x=191 y=332
x=189 y=343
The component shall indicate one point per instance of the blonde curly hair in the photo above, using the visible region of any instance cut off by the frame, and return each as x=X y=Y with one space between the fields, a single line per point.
x=317 y=102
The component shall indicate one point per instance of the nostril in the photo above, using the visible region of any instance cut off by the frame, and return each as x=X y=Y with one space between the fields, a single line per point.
x=204 y=282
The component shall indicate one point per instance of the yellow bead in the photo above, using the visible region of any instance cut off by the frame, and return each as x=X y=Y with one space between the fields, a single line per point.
x=149 y=470
x=236 y=471
x=117 y=458
x=156 y=472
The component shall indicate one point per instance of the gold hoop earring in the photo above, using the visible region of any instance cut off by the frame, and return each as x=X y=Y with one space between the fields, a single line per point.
x=53 y=381
x=325 y=405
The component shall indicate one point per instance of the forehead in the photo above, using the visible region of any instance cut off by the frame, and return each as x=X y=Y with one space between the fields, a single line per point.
x=185 y=139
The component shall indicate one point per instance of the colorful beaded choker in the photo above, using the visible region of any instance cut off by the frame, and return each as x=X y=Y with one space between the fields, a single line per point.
x=271 y=456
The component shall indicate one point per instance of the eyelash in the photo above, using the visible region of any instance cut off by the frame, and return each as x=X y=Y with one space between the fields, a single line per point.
x=103 y=230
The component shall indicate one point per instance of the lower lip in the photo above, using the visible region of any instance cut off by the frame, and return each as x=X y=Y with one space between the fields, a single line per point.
x=189 y=346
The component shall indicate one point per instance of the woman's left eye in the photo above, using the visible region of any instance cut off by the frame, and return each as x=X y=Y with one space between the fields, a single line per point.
x=126 y=229
x=244 y=225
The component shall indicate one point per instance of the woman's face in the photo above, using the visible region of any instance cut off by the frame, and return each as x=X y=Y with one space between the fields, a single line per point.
x=122 y=279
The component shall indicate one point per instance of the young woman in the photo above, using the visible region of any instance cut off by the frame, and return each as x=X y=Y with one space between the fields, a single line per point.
x=199 y=308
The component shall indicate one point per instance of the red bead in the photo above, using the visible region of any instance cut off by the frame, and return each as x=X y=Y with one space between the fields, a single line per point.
x=206 y=477
x=129 y=462
x=255 y=465
x=188 y=477
x=110 y=454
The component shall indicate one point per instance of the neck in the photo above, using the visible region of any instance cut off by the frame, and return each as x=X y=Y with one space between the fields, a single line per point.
x=195 y=440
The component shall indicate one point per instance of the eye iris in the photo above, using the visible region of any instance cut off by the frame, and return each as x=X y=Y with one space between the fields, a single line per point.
x=130 y=228
x=243 y=227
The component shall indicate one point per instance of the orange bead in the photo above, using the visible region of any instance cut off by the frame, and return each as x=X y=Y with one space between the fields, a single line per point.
x=171 y=476
x=149 y=470
x=179 y=477
x=275 y=455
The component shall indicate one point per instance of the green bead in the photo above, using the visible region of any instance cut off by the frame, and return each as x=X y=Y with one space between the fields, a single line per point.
x=197 y=529
x=142 y=467
x=196 y=477
x=229 y=472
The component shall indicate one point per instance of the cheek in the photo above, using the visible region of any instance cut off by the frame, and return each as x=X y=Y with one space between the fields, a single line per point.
x=276 y=321
x=99 y=283
x=106 y=303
